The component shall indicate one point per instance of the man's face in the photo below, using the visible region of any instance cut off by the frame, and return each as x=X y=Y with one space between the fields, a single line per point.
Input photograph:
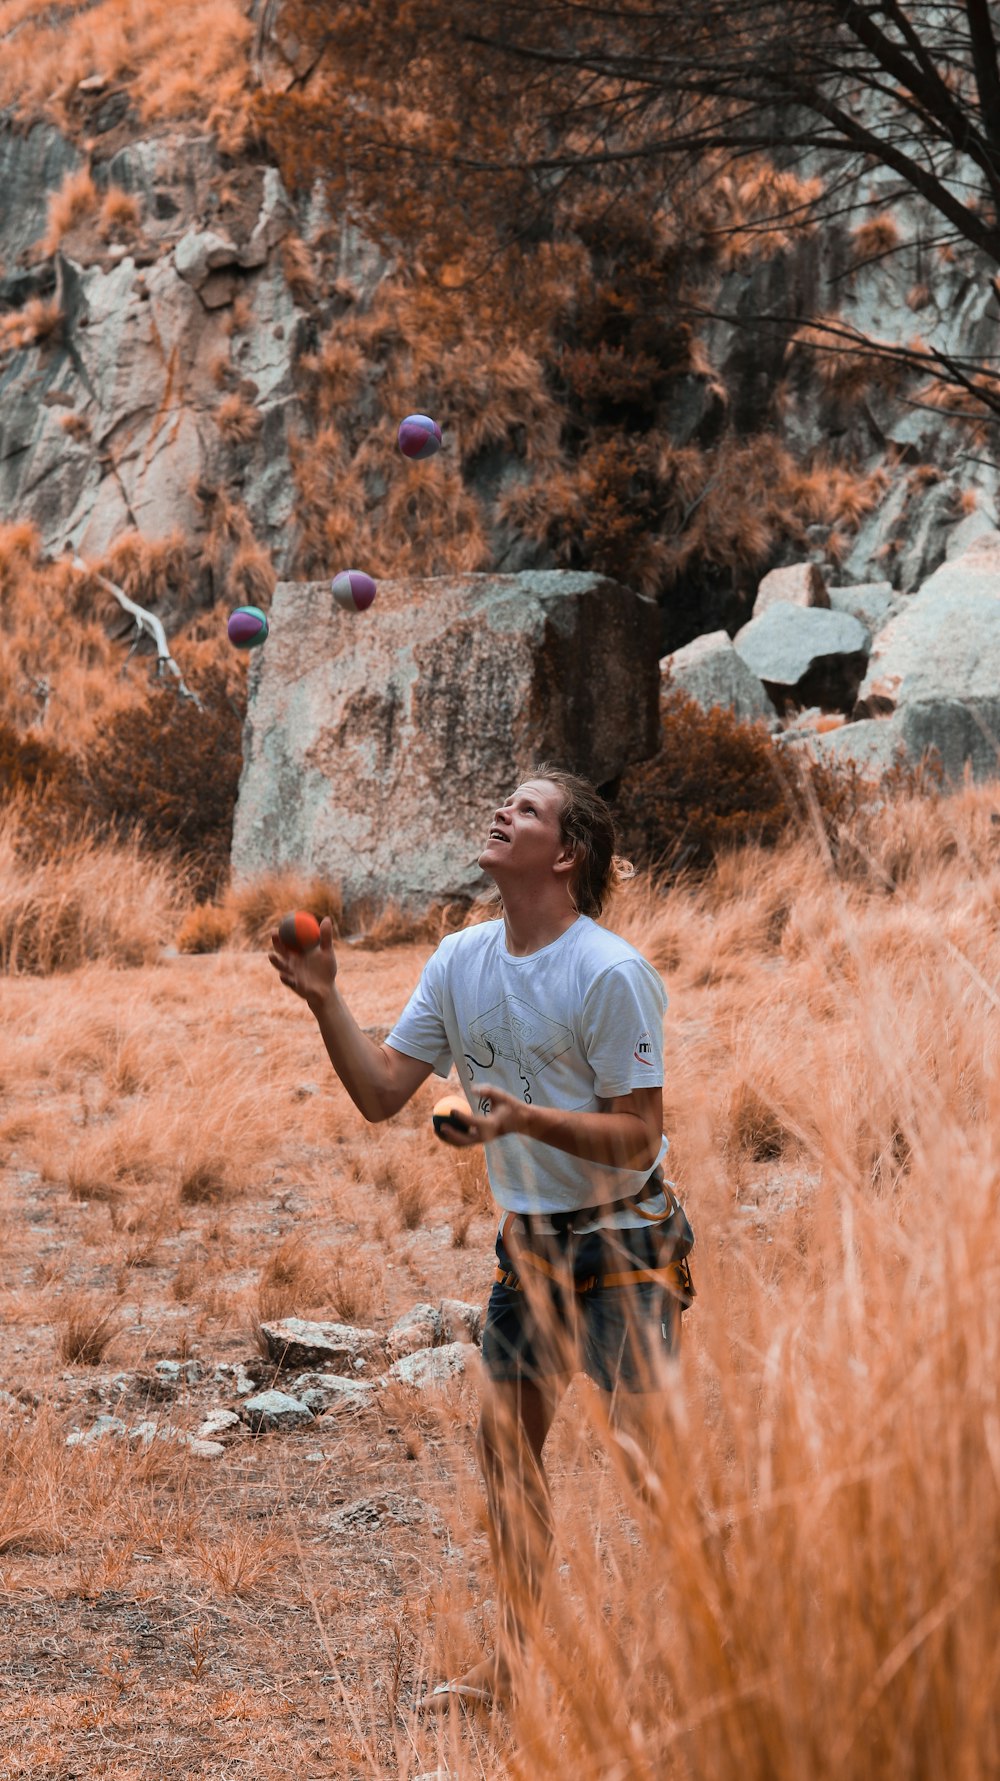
x=524 y=833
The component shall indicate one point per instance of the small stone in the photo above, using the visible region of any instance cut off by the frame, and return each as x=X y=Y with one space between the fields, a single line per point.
x=295 y=1342
x=104 y=1426
x=305 y=1089
x=417 y=1328
x=219 y=1422
x=93 y=83
x=429 y=1367
x=323 y=1392
x=461 y=1322
x=178 y=1372
x=271 y=1410
x=236 y=1378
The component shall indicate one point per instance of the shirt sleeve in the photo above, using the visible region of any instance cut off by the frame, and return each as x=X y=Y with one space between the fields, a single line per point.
x=420 y=1031
x=622 y=1028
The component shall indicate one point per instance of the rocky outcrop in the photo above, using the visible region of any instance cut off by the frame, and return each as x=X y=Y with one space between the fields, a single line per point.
x=710 y=672
x=801 y=584
x=378 y=744
x=808 y=655
x=147 y=389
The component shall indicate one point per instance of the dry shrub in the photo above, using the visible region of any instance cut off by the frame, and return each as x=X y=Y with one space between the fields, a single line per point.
x=168 y=772
x=38 y=321
x=120 y=213
x=206 y=929
x=75 y=426
x=94 y=901
x=258 y=904
x=300 y=273
x=357 y=1280
x=206 y=1176
x=239 y=1562
x=295 y=1278
x=87 y=1327
x=152 y=571
x=875 y=238
x=237 y=420
x=75 y=200
x=755 y=1127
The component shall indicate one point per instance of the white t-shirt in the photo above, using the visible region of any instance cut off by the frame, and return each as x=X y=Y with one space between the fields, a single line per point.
x=568 y=1026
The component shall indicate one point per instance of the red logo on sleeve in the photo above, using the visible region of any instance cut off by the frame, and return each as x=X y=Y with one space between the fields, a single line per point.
x=643 y=1052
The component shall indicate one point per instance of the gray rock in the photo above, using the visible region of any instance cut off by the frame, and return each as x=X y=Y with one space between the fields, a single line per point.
x=178 y=1373
x=295 y=1342
x=101 y=1429
x=219 y=1422
x=874 y=744
x=33 y=165
x=461 y=681
x=817 y=654
x=273 y=1410
x=418 y=1328
x=323 y=1392
x=710 y=671
x=461 y=1322
x=872 y=603
x=801 y=584
x=430 y=1367
x=937 y=666
x=234 y=1378
x=145 y=1433
x=202 y=251
x=976 y=526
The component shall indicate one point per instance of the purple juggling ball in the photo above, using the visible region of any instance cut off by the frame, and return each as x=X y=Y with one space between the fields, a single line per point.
x=353 y=589
x=247 y=627
x=419 y=436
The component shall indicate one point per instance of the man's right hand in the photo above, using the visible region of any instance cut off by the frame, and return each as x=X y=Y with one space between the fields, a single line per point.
x=310 y=974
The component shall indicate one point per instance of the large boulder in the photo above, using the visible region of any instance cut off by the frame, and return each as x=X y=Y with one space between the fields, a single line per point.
x=710 y=671
x=936 y=666
x=378 y=744
x=872 y=603
x=809 y=655
x=801 y=584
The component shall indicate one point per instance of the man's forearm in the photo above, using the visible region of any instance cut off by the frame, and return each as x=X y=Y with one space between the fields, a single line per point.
x=358 y=1061
x=620 y=1139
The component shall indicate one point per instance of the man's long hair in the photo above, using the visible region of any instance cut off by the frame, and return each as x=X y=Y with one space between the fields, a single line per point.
x=586 y=822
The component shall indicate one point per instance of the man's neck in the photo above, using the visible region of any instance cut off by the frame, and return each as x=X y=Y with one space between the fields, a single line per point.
x=529 y=927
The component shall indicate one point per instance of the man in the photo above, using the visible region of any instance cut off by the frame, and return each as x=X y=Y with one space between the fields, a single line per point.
x=555 y=1025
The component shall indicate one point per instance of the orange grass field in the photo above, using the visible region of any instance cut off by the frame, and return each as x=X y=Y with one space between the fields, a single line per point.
x=817 y=1593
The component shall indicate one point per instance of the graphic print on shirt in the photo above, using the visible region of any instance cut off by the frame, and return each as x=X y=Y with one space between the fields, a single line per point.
x=643 y=1052
x=516 y=1031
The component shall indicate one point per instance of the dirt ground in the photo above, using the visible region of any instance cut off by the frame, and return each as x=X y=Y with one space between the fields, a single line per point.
x=273 y=1611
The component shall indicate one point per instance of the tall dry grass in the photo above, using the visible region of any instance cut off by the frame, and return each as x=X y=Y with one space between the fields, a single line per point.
x=806 y=1580
x=93 y=902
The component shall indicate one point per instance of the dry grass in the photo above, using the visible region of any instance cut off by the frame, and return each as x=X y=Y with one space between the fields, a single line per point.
x=94 y=902
x=177 y=61
x=237 y=420
x=120 y=214
x=816 y=1590
x=38 y=321
x=75 y=200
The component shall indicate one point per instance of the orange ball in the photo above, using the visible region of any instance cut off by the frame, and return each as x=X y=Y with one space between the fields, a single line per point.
x=453 y=1113
x=299 y=932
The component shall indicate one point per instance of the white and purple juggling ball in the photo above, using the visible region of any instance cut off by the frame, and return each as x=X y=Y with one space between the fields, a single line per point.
x=419 y=436
x=353 y=590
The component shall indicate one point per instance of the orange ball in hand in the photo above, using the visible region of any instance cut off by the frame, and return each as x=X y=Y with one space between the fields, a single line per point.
x=299 y=932
x=452 y=1113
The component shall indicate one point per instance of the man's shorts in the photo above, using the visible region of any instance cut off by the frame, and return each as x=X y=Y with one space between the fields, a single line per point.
x=606 y=1303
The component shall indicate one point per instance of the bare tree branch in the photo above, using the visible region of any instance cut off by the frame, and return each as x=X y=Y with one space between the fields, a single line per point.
x=146 y=624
